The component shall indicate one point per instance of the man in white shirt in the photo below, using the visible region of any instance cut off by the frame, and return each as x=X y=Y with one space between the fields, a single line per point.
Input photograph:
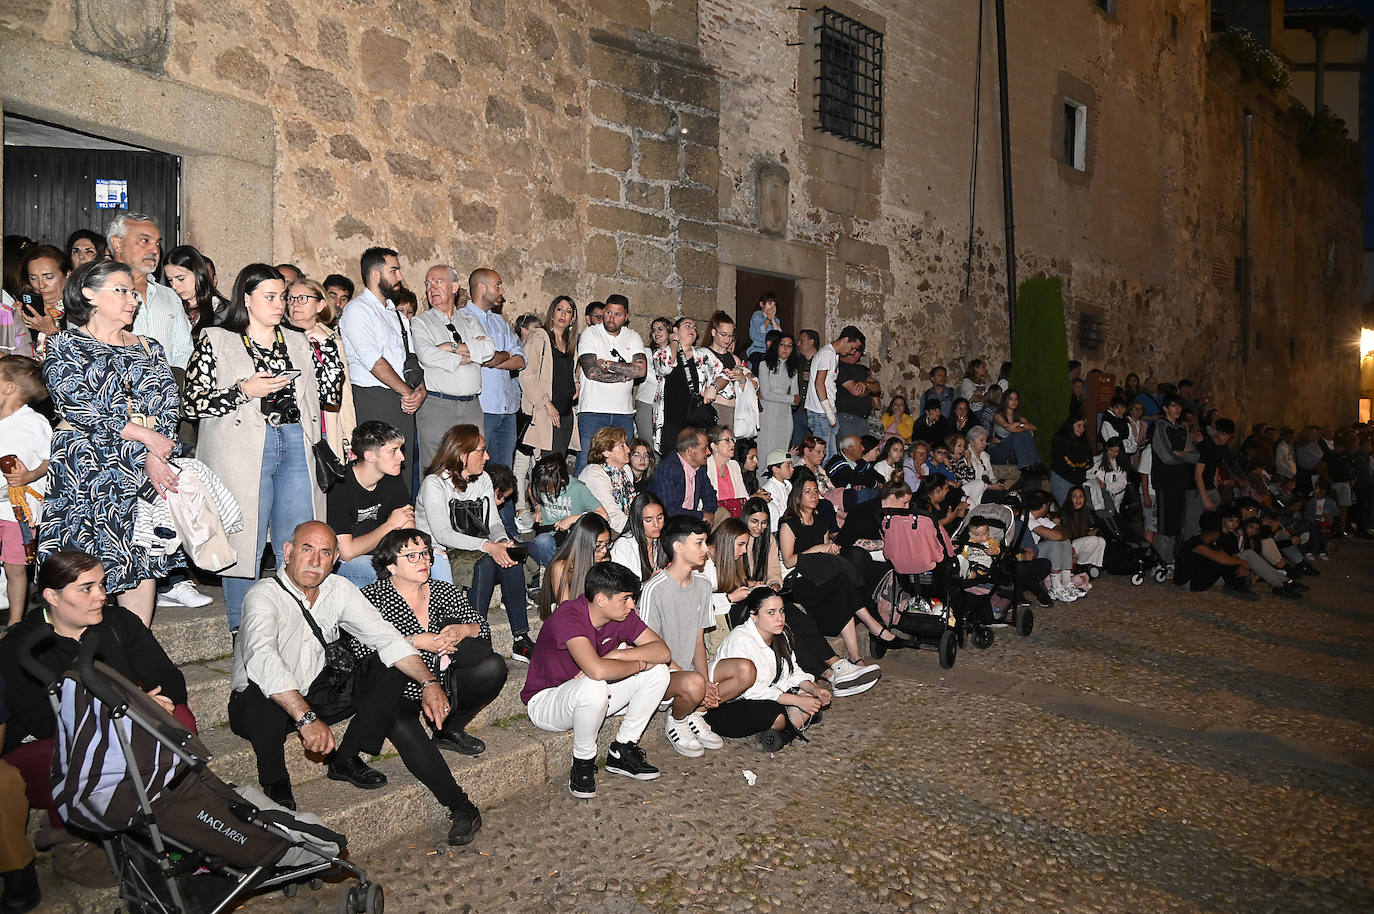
x=452 y=347
x=377 y=340
x=136 y=241
x=278 y=655
x=820 y=395
x=500 y=396
x=610 y=358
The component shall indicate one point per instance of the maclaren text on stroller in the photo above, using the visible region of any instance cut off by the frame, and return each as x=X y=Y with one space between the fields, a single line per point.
x=181 y=840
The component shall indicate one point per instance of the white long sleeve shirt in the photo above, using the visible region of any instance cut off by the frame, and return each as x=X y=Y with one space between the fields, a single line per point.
x=745 y=642
x=163 y=317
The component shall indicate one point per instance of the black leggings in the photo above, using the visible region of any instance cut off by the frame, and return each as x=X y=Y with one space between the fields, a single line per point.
x=810 y=646
x=474 y=677
x=744 y=717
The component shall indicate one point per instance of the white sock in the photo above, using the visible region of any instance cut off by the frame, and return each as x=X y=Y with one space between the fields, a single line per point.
x=1066 y=580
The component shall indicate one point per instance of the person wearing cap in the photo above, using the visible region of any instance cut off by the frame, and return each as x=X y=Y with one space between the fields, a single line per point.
x=932 y=428
x=777 y=483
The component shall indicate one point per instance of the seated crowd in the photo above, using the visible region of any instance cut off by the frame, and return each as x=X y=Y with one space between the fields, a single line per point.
x=693 y=522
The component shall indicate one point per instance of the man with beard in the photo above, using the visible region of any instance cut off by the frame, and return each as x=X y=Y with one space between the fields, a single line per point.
x=452 y=347
x=377 y=339
x=500 y=397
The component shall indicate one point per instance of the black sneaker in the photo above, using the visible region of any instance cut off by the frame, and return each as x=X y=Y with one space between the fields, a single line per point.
x=466 y=821
x=522 y=648
x=582 y=779
x=628 y=759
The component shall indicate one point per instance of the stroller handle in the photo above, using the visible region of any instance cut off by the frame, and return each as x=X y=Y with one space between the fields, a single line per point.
x=29 y=662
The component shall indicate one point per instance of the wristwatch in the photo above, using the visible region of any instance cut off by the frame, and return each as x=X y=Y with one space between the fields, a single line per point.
x=309 y=717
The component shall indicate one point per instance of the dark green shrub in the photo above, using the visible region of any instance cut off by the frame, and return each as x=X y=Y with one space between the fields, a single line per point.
x=1040 y=357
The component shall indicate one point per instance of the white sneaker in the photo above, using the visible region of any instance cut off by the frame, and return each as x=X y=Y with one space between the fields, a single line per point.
x=1078 y=592
x=183 y=593
x=849 y=678
x=1060 y=595
x=681 y=737
x=706 y=737
x=524 y=523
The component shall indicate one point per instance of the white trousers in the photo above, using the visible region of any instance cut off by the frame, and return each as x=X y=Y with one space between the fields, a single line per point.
x=1089 y=550
x=582 y=706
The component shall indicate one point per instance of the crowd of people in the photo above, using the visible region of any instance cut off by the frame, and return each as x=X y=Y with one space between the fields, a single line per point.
x=693 y=516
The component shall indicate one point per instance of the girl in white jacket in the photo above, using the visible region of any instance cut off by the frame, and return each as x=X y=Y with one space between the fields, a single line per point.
x=1108 y=475
x=771 y=695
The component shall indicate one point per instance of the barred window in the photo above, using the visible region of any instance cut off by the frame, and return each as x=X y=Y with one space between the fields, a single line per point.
x=849 y=81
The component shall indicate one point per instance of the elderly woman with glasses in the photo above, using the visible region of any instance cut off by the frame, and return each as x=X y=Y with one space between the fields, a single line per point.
x=437 y=620
x=119 y=406
x=309 y=310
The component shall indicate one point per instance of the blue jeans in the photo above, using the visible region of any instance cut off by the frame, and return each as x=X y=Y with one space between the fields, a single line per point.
x=821 y=428
x=542 y=549
x=285 y=501
x=800 y=428
x=485 y=574
x=440 y=569
x=1018 y=448
x=500 y=435
x=588 y=424
x=1059 y=488
x=358 y=570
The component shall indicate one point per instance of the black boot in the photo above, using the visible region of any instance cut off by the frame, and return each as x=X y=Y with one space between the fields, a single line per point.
x=21 y=890
x=454 y=737
x=466 y=821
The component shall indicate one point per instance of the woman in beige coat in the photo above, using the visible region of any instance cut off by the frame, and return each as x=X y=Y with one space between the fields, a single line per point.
x=548 y=388
x=257 y=390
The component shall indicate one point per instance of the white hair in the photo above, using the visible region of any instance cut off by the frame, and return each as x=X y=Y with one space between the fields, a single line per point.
x=119 y=225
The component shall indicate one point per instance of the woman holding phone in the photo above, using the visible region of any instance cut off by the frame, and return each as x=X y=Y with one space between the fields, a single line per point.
x=257 y=389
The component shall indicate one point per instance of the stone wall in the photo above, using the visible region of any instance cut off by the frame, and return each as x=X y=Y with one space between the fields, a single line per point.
x=1135 y=235
x=656 y=146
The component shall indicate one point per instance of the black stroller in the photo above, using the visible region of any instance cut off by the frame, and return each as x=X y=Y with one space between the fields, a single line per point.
x=1126 y=552
x=999 y=580
x=918 y=599
x=181 y=840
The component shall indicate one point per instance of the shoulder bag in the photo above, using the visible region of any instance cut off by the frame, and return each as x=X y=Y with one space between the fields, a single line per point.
x=335 y=691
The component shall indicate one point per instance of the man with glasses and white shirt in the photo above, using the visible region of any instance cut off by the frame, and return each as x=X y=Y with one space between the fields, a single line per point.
x=136 y=241
x=452 y=347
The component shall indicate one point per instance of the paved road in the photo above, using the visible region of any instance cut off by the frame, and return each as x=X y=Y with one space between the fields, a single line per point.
x=1144 y=750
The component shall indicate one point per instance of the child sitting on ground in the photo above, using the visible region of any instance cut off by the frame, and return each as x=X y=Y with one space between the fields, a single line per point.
x=25 y=446
x=1322 y=512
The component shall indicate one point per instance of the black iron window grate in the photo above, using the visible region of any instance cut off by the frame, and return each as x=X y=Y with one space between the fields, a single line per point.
x=849 y=81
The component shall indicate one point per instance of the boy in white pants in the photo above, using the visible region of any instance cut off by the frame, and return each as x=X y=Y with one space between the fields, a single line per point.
x=595 y=657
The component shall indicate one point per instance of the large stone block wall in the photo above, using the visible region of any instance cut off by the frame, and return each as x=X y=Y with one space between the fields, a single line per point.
x=1135 y=236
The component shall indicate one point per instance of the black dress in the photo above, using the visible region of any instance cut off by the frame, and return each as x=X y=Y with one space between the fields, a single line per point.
x=829 y=588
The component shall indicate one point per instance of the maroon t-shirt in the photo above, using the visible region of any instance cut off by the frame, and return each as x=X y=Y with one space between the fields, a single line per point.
x=552 y=665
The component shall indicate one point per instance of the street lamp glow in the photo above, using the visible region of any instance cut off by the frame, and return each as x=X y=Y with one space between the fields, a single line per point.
x=1366 y=342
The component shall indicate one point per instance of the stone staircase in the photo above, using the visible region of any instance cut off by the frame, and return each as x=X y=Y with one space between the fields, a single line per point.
x=518 y=755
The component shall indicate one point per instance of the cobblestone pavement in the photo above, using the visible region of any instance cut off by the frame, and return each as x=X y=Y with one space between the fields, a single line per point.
x=1144 y=750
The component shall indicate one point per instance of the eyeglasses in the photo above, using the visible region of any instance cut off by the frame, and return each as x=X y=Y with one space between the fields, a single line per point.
x=120 y=290
x=302 y=299
x=603 y=547
x=415 y=557
x=725 y=441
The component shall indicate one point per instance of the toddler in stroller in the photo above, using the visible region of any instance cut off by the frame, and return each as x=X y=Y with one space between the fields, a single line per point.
x=987 y=565
x=181 y=840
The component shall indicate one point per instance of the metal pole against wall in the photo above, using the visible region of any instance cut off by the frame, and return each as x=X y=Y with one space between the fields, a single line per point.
x=1008 y=218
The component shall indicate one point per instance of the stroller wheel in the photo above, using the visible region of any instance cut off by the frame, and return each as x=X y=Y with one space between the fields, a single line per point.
x=1025 y=622
x=1094 y=571
x=374 y=901
x=315 y=884
x=1138 y=578
x=982 y=638
x=291 y=889
x=949 y=649
x=1161 y=574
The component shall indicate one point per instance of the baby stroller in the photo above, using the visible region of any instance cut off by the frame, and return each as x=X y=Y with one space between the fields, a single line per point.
x=181 y=840
x=999 y=581
x=917 y=598
x=1127 y=553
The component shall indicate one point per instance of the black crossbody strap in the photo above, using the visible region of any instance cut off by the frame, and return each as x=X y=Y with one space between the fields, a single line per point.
x=405 y=337
x=314 y=626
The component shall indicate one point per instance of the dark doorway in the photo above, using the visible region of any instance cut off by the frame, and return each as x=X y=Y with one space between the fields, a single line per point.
x=748 y=287
x=58 y=180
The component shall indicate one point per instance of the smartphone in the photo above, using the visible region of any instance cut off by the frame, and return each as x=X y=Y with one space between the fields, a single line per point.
x=32 y=303
x=290 y=374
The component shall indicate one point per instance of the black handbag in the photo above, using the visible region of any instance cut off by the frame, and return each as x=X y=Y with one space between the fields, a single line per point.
x=469 y=516
x=335 y=691
x=411 y=372
x=329 y=469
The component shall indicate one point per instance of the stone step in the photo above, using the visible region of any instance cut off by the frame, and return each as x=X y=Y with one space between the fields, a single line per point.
x=201 y=634
x=208 y=687
x=518 y=757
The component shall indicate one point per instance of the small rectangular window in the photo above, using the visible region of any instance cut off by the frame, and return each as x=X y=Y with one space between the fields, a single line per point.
x=849 y=81
x=1075 y=134
x=1107 y=6
x=1173 y=26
